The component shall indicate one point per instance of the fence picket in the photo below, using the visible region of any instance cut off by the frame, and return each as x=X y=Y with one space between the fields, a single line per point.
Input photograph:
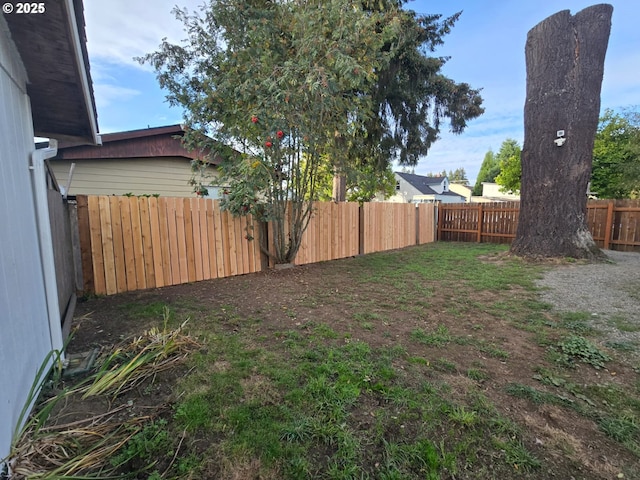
x=127 y=239
x=156 y=243
x=194 y=209
x=95 y=238
x=147 y=247
x=106 y=236
x=613 y=224
x=135 y=243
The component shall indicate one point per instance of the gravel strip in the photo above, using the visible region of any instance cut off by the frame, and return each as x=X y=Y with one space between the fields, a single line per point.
x=609 y=291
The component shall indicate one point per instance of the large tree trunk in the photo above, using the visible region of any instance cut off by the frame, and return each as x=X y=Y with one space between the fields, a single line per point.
x=565 y=63
x=339 y=187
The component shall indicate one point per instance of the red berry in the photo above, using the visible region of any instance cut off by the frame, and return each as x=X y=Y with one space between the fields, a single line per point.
x=280 y=134
x=254 y=119
x=268 y=144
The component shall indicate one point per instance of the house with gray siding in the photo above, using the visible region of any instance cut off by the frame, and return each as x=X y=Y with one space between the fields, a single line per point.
x=411 y=188
x=45 y=91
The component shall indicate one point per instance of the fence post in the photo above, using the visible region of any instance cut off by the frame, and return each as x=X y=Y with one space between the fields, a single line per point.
x=439 y=214
x=361 y=229
x=608 y=225
x=417 y=221
x=84 y=235
x=480 y=220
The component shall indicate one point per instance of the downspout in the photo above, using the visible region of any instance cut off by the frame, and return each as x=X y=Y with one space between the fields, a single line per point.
x=45 y=240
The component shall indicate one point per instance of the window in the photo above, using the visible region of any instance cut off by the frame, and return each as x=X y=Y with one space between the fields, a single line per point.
x=214 y=192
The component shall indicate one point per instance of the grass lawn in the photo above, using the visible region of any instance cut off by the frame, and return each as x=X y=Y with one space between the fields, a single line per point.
x=433 y=362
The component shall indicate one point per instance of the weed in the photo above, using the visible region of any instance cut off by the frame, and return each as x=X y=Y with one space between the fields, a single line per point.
x=516 y=454
x=140 y=311
x=460 y=415
x=623 y=324
x=145 y=447
x=579 y=348
x=445 y=365
x=623 y=346
x=477 y=375
x=422 y=457
x=577 y=322
x=439 y=338
x=324 y=331
x=622 y=429
x=535 y=396
x=194 y=412
x=494 y=351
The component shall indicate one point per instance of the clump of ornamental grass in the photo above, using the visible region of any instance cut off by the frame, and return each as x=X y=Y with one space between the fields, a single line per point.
x=46 y=448
x=131 y=363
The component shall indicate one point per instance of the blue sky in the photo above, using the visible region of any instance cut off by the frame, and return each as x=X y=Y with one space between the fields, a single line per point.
x=486 y=48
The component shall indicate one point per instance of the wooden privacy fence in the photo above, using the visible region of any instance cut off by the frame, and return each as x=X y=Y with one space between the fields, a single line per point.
x=131 y=243
x=614 y=224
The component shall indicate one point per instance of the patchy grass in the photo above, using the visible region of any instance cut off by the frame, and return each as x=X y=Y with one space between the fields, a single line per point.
x=431 y=362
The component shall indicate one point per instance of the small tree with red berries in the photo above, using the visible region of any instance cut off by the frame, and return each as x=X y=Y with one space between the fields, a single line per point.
x=278 y=81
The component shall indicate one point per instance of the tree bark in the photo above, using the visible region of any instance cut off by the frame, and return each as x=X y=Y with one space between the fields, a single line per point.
x=339 y=193
x=565 y=65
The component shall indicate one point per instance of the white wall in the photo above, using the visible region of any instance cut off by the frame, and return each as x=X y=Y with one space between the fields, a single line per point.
x=24 y=325
x=492 y=191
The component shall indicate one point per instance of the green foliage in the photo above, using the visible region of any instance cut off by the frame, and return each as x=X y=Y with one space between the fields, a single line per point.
x=459 y=175
x=294 y=84
x=623 y=430
x=575 y=347
x=283 y=81
x=616 y=155
x=411 y=97
x=510 y=167
x=363 y=182
x=489 y=170
x=145 y=447
x=439 y=338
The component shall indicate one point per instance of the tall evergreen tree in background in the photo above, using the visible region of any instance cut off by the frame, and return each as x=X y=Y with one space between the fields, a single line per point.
x=489 y=170
x=411 y=97
x=459 y=175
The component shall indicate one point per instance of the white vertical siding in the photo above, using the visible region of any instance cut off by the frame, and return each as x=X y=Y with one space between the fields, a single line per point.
x=24 y=325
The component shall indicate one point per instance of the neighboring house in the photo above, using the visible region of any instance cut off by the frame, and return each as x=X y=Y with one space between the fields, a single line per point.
x=412 y=188
x=461 y=189
x=45 y=91
x=139 y=162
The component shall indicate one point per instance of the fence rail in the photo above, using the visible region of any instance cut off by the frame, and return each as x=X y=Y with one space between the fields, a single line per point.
x=614 y=224
x=130 y=243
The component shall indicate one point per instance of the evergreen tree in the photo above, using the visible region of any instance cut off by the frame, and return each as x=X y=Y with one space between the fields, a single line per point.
x=489 y=170
x=459 y=175
x=411 y=96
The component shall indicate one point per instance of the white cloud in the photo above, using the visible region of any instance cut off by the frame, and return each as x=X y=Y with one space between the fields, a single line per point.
x=119 y=30
x=106 y=94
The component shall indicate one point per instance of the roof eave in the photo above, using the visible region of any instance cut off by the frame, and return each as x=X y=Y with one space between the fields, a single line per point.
x=52 y=47
x=80 y=50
